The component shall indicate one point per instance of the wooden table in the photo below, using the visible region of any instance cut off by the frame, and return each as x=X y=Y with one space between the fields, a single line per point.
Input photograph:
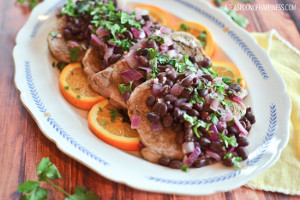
x=22 y=144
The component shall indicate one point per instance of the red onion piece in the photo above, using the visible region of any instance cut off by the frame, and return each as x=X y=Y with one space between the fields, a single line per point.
x=139 y=34
x=193 y=157
x=109 y=52
x=125 y=96
x=231 y=149
x=101 y=32
x=73 y=44
x=134 y=47
x=179 y=102
x=156 y=88
x=214 y=134
x=146 y=69
x=148 y=24
x=156 y=126
x=135 y=122
x=240 y=126
x=208 y=98
x=139 y=13
x=188 y=147
x=130 y=59
x=131 y=75
x=237 y=99
x=166 y=30
x=214 y=104
x=176 y=89
x=163 y=48
x=217 y=79
x=101 y=44
x=199 y=73
x=147 y=31
x=126 y=9
x=228 y=116
x=213 y=155
x=172 y=54
x=221 y=125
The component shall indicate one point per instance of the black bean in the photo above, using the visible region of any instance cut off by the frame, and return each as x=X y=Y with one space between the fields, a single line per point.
x=114 y=58
x=144 y=52
x=198 y=107
x=128 y=35
x=153 y=117
x=231 y=93
x=146 y=17
x=67 y=34
x=150 y=100
x=208 y=77
x=172 y=74
x=169 y=82
x=189 y=132
x=167 y=121
x=175 y=164
x=144 y=61
x=155 y=107
x=250 y=116
x=177 y=127
x=203 y=92
x=179 y=138
x=228 y=162
x=242 y=141
x=187 y=125
x=75 y=30
x=247 y=123
x=206 y=62
x=201 y=162
x=120 y=36
x=205 y=116
x=193 y=112
x=170 y=97
x=118 y=50
x=187 y=81
x=165 y=90
x=242 y=152
x=164 y=161
x=192 y=59
x=186 y=106
x=162 y=67
x=217 y=147
x=170 y=106
x=196 y=81
x=235 y=87
x=186 y=92
x=177 y=113
x=161 y=76
x=233 y=129
x=162 y=109
x=152 y=44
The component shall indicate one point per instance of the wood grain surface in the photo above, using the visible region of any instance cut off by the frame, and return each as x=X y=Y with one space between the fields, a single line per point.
x=23 y=145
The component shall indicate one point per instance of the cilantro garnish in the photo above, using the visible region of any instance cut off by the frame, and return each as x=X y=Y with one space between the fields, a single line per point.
x=157 y=38
x=66 y=87
x=195 y=122
x=184 y=27
x=53 y=34
x=74 y=53
x=123 y=88
x=227 y=80
x=152 y=53
x=104 y=123
x=185 y=168
x=202 y=38
x=214 y=118
x=113 y=114
x=228 y=141
x=47 y=171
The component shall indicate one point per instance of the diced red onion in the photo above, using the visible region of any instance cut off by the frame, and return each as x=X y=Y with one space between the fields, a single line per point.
x=125 y=96
x=140 y=12
x=179 y=102
x=188 y=147
x=231 y=149
x=237 y=99
x=227 y=115
x=109 y=52
x=131 y=75
x=240 y=126
x=214 y=104
x=165 y=30
x=214 y=134
x=101 y=32
x=73 y=44
x=126 y=9
x=130 y=59
x=134 y=47
x=148 y=24
x=147 y=69
x=199 y=73
x=172 y=54
x=193 y=157
x=139 y=34
x=176 y=89
x=213 y=155
x=156 y=88
x=163 y=48
x=217 y=79
x=147 y=31
x=208 y=98
x=156 y=126
x=100 y=43
x=221 y=125
x=135 y=122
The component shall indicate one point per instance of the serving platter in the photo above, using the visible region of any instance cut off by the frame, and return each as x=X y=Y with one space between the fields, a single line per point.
x=67 y=126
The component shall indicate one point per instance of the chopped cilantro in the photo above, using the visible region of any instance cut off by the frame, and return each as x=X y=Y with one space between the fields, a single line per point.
x=104 y=123
x=228 y=141
x=53 y=34
x=53 y=64
x=78 y=96
x=152 y=53
x=239 y=80
x=185 y=168
x=236 y=161
x=202 y=38
x=157 y=38
x=74 y=53
x=66 y=87
x=184 y=27
x=214 y=118
x=123 y=88
x=100 y=109
x=113 y=114
x=227 y=80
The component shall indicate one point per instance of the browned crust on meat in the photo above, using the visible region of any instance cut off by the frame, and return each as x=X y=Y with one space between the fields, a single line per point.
x=91 y=63
x=157 y=144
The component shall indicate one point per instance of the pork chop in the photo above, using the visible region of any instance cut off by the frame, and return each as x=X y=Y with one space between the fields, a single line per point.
x=159 y=143
x=91 y=63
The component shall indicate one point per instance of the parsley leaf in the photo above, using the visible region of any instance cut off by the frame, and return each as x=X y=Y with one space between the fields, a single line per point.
x=123 y=89
x=81 y=193
x=185 y=168
x=74 y=53
x=47 y=170
x=236 y=161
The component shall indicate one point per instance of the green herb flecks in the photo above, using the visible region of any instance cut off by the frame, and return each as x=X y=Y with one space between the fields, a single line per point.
x=32 y=3
x=202 y=38
x=113 y=114
x=104 y=123
x=228 y=140
x=75 y=53
x=53 y=34
x=47 y=171
x=185 y=168
x=156 y=38
x=123 y=88
x=184 y=27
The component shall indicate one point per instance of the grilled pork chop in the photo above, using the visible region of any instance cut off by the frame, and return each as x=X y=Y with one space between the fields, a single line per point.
x=159 y=143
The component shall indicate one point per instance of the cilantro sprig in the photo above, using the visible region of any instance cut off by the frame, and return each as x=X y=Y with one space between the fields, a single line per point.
x=31 y=3
x=47 y=171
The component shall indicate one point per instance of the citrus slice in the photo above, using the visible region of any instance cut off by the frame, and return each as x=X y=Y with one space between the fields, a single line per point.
x=227 y=69
x=156 y=13
x=200 y=32
x=107 y=124
x=74 y=86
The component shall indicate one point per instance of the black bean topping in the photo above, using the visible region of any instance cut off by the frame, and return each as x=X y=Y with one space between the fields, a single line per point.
x=169 y=82
x=186 y=106
x=208 y=77
x=217 y=147
x=162 y=109
x=192 y=59
x=144 y=61
x=198 y=107
x=150 y=100
x=235 y=87
x=242 y=141
x=175 y=164
x=153 y=117
x=128 y=35
x=152 y=44
x=170 y=106
x=165 y=90
x=193 y=112
x=146 y=17
x=241 y=151
x=167 y=121
x=204 y=142
x=144 y=52
x=206 y=62
x=161 y=76
x=201 y=162
x=188 y=138
x=172 y=74
x=170 y=97
x=114 y=58
x=67 y=34
x=187 y=81
x=164 y=161
x=155 y=107
x=228 y=162
x=186 y=92
x=233 y=129
x=203 y=92
x=250 y=116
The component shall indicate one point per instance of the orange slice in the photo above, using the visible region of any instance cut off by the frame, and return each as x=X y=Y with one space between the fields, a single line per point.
x=227 y=69
x=107 y=124
x=200 y=32
x=156 y=13
x=74 y=87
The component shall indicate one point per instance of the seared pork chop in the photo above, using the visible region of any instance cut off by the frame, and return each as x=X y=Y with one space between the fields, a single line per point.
x=159 y=143
x=91 y=63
